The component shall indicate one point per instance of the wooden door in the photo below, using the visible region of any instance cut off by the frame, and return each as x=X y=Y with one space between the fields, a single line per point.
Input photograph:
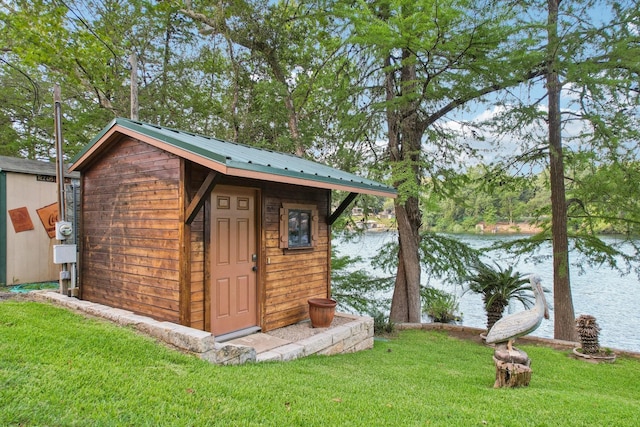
x=233 y=260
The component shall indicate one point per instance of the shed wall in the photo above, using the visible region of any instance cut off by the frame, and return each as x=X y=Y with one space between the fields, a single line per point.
x=29 y=256
x=130 y=247
x=291 y=277
x=287 y=278
x=198 y=240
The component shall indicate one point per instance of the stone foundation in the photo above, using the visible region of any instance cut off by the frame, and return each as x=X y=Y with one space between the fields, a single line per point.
x=355 y=335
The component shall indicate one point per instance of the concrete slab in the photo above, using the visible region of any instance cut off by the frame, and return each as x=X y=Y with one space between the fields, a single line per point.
x=261 y=342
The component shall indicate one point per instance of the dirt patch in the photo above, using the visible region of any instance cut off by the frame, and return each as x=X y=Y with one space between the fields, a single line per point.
x=466 y=334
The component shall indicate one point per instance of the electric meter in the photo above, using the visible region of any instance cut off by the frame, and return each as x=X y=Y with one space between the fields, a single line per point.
x=63 y=230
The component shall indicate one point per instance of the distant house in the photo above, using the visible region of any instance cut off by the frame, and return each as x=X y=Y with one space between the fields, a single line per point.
x=508 y=228
x=210 y=234
x=28 y=196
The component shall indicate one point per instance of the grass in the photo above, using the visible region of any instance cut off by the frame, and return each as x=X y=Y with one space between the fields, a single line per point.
x=60 y=369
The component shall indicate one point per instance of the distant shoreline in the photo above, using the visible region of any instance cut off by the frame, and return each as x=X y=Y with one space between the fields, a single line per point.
x=507 y=228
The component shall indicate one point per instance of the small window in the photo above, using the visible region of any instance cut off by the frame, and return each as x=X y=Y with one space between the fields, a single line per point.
x=298 y=226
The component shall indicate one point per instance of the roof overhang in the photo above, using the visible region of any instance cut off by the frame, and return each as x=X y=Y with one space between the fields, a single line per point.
x=230 y=159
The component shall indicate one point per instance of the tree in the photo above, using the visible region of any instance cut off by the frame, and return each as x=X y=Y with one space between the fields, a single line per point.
x=22 y=103
x=356 y=290
x=278 y=33
x=430 y=60
x=592 y=123
x=293 y=85
x=85 y=48
x=563 y=303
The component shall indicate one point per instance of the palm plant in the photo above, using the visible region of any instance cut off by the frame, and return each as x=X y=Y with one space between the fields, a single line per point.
x=498 y=286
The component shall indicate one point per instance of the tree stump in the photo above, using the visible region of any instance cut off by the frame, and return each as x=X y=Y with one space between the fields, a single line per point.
x=513 y=368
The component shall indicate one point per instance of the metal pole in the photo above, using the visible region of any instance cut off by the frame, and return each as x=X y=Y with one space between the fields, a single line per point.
x=63 y=281
x=133 y=60
x=59 y=154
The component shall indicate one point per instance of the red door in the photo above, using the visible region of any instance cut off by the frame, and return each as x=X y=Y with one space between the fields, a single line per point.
x=233 y=260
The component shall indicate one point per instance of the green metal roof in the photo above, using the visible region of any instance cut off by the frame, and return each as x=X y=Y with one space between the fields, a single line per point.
x=236 y=159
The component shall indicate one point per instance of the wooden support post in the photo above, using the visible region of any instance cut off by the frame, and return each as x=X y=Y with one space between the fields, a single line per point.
x=184 y=257
x=198 y=200
x=345 y=203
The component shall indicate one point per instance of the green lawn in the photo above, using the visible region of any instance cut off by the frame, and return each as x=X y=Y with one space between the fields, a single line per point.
x=58 y=369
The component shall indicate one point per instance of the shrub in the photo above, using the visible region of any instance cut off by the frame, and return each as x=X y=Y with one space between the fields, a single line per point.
x=439 y=305
x=382 y=324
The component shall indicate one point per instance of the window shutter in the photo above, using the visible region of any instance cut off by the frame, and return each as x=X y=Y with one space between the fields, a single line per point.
x=314 y=227
x=284 y=228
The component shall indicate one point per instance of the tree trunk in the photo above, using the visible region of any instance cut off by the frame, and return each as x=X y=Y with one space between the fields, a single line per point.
x=513 y=367
x=563 y=305
x=280 y=76
x=494 y=313
x=511 y=375
x=405 y=136
x=405 y=305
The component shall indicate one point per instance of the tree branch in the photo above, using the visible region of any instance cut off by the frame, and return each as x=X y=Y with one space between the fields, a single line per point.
x=434 y=117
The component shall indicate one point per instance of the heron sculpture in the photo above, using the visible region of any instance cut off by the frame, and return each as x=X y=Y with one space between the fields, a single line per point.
x=510 y=327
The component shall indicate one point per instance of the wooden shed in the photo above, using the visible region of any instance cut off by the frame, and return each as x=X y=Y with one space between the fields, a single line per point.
x=28 y=200
x=210 y=234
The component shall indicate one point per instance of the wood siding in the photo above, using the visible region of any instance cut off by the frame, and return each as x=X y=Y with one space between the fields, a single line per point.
x=130 y=246
x=197 y=239
x=291 y=276
x=286 y=278
x=131 y=255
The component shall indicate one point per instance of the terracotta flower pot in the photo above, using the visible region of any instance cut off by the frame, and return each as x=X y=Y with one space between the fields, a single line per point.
x=321 y=311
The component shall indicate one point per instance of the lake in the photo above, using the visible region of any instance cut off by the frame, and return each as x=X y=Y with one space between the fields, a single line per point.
x=612 y=298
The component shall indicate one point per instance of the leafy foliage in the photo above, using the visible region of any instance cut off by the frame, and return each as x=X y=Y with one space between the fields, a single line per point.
x=357 y=290
x=442 y=256
x=383 y=325
x=439 y=305
x=603 y=201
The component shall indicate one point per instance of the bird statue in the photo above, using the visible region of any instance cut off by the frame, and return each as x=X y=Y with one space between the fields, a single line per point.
x=510 y=327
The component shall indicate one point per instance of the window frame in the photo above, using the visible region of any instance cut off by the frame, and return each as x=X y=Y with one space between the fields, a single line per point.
x=285 y=211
